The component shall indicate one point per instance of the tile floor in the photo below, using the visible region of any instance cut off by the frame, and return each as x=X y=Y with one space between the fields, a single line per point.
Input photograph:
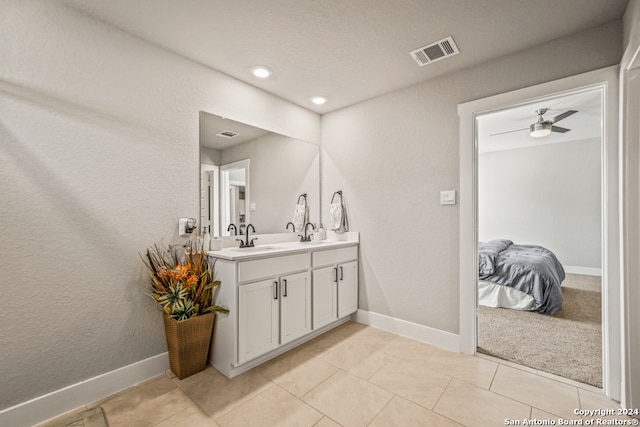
x=355 y=375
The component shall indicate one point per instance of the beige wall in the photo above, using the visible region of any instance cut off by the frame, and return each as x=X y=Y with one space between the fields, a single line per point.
x=98 y=159
x=392 y=156
x=547 y=195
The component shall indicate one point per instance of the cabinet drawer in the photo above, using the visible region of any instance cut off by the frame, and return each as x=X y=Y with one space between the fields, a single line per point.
x=334 y=256
x=269 y=267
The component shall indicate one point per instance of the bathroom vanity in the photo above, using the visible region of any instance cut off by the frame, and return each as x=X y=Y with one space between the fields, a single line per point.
x=279 y=296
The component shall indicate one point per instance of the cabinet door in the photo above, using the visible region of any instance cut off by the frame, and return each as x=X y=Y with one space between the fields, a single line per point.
x=295 y=306
x=325 y=308
x=258 y=316
x=347 y=288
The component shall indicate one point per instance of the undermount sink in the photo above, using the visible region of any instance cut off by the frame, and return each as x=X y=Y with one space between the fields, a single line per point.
x=314 y=242
x=256 y=249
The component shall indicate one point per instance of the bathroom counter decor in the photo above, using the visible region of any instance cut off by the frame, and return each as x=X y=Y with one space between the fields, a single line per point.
x=183 y=284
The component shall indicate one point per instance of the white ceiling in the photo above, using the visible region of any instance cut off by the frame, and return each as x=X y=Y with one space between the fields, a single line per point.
x=585 y=124
x=211 y=125
x=348 y=50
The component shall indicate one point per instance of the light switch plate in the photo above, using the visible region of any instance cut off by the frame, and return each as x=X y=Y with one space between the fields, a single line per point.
x=448 y=197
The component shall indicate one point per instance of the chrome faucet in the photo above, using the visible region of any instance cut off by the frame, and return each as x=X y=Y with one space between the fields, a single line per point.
x=306 y=238
x=247 y=243
x=293 y=226
x=235 y=229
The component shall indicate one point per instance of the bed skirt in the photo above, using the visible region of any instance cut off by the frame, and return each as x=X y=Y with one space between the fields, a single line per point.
x=495 y=295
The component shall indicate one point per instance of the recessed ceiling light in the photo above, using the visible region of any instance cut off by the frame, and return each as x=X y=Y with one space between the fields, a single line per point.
x=318 y=100
x=261 y=71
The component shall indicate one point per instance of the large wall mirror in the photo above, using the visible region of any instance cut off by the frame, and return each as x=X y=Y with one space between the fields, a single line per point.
x=253 y=176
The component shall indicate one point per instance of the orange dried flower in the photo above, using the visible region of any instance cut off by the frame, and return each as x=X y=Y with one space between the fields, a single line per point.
x=192 y=280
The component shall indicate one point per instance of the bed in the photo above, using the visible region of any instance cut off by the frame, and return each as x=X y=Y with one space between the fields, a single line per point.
x=523 y=277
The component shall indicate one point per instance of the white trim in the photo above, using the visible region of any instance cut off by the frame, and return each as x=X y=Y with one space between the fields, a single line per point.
x=66 y=399
x=605 y=80
x=407 y=329
x=630 y=208
x=587 y=271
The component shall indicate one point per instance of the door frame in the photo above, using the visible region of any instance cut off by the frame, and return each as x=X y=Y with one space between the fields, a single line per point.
x=630 y=176
x=607 y=81
x=225 y=202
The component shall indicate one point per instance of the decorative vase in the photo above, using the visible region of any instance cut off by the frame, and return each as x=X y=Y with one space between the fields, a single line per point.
x=188 y=343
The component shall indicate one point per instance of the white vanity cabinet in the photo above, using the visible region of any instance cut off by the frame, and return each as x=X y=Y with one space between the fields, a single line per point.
x=272 y=312
x=280 y=299
x=275 y=310
x=335 y=284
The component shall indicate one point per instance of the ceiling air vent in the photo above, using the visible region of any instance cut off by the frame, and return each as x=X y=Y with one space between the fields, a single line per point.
x=227 y=134
x=435 y=51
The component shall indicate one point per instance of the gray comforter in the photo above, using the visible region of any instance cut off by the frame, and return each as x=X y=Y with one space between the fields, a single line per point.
x=529 y=268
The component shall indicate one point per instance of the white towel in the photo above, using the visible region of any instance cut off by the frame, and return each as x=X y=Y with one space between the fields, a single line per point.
x=338 y=215
x=299 y=216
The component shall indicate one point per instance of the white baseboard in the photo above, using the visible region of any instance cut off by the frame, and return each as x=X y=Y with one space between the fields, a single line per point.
x=587 y=271
x=77 y=395
x=415 y=331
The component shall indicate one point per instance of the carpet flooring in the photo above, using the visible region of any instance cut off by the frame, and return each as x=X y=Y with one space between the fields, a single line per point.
x=568 y=343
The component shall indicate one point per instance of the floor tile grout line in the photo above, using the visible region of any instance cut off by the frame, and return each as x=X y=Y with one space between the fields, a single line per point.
x=179 y=412
x=245 y=402
x=524 y=403
x=410 y=400
x=319 y=384
x=441 y=394
x=493 y=377
x=394 y=357
x=298 y=399
x=326 y=416
x=541 y=374
x=382 y=409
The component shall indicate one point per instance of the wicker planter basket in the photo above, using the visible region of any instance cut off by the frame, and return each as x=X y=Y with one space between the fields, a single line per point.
x=188 y=343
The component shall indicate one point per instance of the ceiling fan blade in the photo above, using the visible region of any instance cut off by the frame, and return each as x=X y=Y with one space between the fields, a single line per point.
x=562 y=116
x=509 y=131
x=559 y=129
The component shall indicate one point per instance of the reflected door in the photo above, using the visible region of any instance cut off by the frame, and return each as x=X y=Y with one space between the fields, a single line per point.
x=234 y=188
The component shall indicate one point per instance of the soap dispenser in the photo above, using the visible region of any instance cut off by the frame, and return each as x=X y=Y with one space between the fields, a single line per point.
x=206 y=239
x=322 y=233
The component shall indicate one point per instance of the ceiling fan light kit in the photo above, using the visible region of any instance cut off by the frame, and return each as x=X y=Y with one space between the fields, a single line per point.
x=538 y=130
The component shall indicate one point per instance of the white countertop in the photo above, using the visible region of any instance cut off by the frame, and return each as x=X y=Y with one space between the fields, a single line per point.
x=275 y=249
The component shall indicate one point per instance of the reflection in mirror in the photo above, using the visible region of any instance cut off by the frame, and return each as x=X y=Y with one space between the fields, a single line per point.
x=209 y=191
x=250 y=175
x=234 y=208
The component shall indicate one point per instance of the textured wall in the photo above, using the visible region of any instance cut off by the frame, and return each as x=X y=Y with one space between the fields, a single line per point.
x=547 y=195
x=392 y=156
x=98 y=159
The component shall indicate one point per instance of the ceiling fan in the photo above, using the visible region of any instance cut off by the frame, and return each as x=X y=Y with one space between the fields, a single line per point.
x=544 y=127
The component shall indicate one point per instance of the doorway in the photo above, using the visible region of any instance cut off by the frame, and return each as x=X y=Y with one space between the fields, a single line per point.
x=605 y=81
x=543 y=195
x=234 y=200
